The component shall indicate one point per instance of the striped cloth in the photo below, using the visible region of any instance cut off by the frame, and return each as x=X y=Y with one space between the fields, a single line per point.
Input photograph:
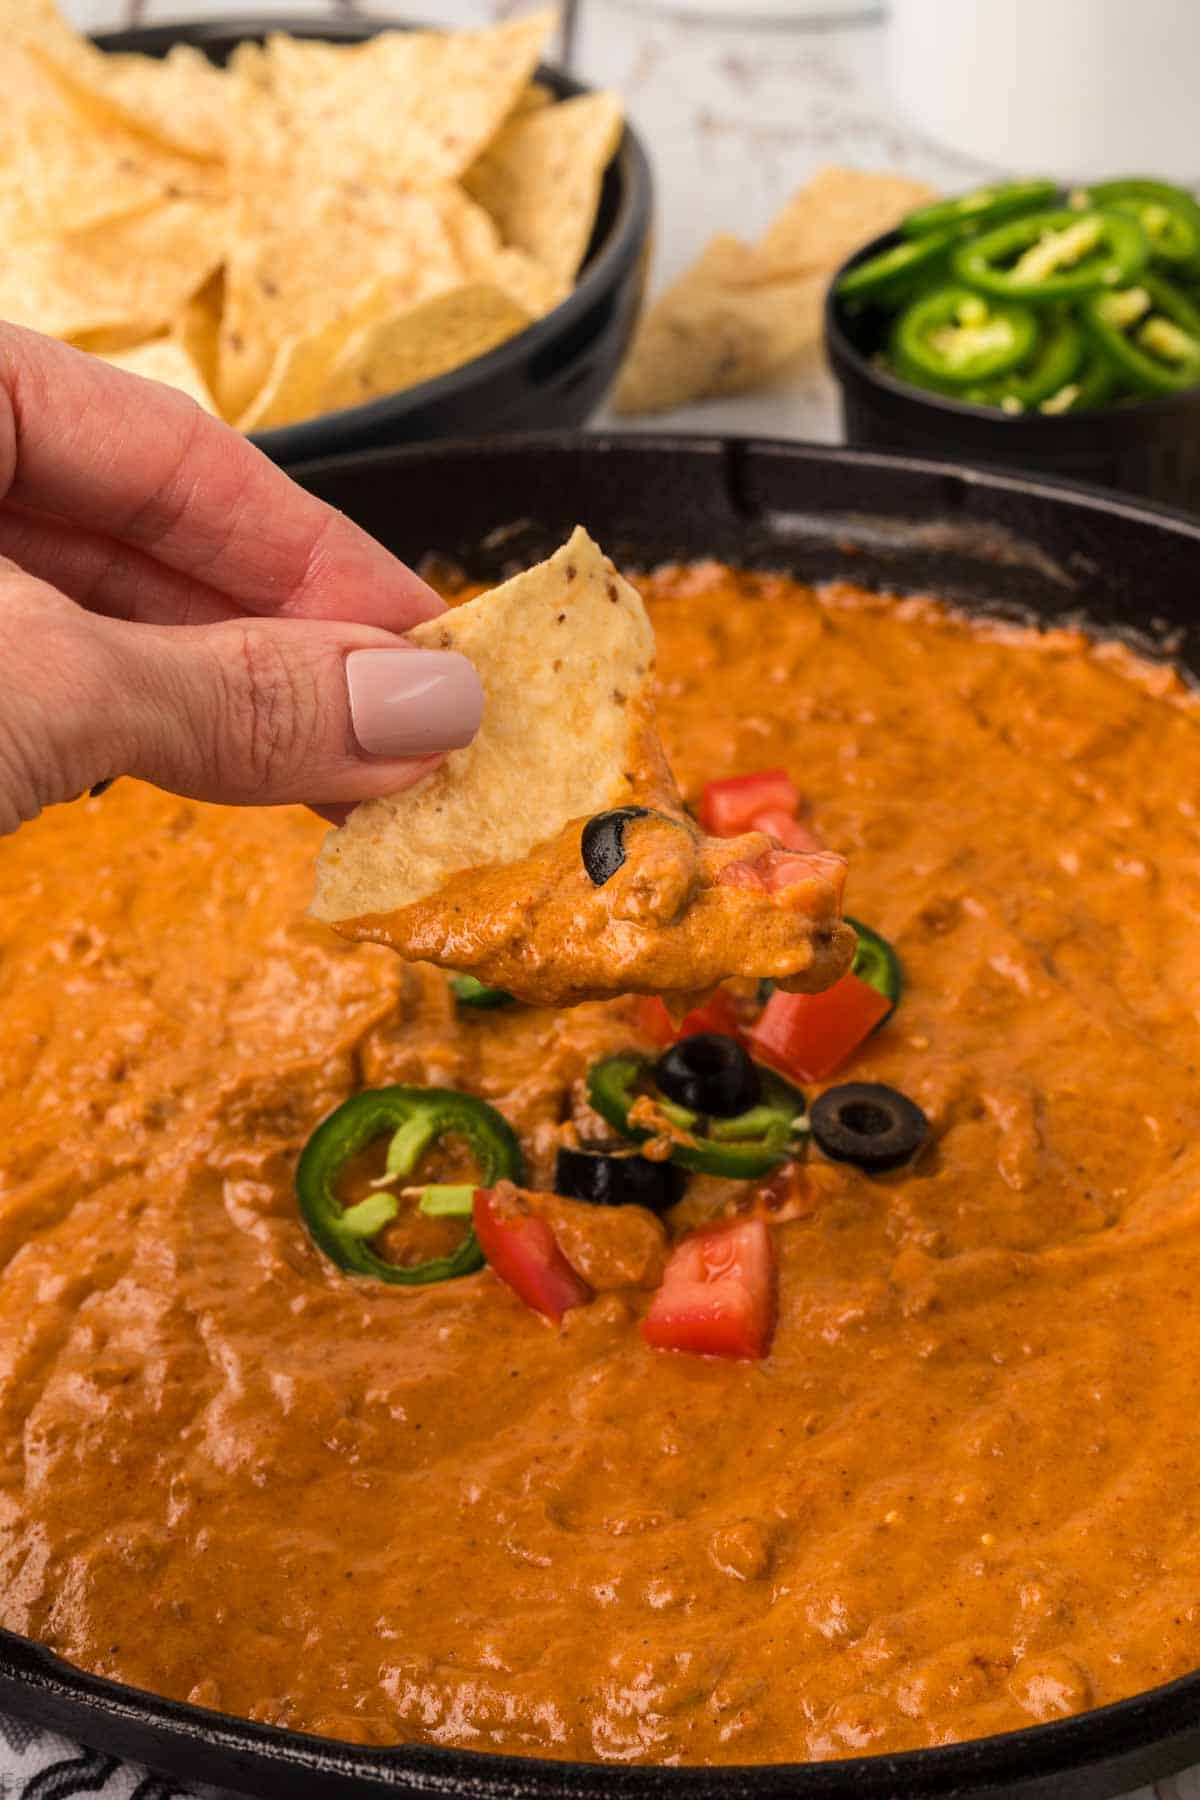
x=39 y=1765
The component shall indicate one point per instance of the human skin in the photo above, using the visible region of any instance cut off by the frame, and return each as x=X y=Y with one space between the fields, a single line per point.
x=173 y=607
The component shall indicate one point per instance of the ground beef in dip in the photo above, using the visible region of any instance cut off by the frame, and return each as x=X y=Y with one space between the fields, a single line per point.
x=960 y=1495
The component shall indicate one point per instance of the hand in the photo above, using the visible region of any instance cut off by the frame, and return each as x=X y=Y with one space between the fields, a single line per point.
x=173 y=607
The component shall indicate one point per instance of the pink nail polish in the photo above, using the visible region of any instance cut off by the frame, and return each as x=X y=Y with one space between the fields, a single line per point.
x=412 y=702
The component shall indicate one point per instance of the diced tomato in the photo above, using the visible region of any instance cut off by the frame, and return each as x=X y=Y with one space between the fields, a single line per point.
x=654 y=1021
x=809 y=1036
x=718 y=1293
x=524 y=1252
x=743 y=875
x=786 y=830
x=718 y=1013
x=727 y=808
x=775 y=870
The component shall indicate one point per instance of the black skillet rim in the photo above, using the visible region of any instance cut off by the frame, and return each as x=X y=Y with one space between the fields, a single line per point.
x=1123 y=1744
x=605 y=268
x=1097 y=499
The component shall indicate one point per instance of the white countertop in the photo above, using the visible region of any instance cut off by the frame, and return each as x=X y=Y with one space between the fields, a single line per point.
x=735 y=117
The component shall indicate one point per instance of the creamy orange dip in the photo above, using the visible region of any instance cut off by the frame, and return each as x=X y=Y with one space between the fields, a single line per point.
x=961 y=1493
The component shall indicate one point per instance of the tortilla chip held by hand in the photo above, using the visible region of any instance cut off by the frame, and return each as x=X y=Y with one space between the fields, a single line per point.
x=553 y=856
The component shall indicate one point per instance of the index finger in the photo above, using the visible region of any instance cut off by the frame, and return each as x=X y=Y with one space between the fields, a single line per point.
x=148 y=467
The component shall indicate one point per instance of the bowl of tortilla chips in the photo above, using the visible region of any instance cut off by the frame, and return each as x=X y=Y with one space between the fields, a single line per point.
x=332 y=235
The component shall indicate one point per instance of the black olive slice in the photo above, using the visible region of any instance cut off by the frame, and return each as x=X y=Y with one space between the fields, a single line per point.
x=866 y=1123
x=603 y=842
x=611 y=1177
x=709 y=1073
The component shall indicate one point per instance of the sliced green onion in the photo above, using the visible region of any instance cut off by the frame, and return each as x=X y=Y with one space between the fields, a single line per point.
x=369 y=1216
x=468 y=990
x=758 y=1122
x=447 y=1201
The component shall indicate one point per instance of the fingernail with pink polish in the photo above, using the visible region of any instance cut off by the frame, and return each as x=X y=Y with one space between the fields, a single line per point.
x=412 y=702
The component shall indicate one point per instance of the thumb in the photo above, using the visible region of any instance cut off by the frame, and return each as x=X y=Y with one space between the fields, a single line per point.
x=264 y=711
x=248 y=711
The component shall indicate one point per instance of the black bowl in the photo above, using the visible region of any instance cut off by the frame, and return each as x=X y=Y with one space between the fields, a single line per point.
x=992 y=542
x=555 y=373
x=1151 y=448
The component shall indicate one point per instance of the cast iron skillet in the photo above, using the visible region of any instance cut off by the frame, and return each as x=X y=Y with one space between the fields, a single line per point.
x=990 y=541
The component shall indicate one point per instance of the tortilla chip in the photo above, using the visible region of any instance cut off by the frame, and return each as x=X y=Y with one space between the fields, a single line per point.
x=440 y=335
x=303 y=364
x=533 y=99
x=72 y=177
x=167 y=361
x=198 y=327
x=161 y=97
x=741 y=313
x=139 y=270
x=718 y=330
x=301 y=255
x=295 y=381
x=182 y=95
x=109 y=340
x=406 y=104
x=14 y=213
x=540 y=179
x=24 y=22
x=86 y=87
x=77 y=170
x=835 y=212
x=554 y=648
x=72 y=157
x=352 y=363
x=483 y=257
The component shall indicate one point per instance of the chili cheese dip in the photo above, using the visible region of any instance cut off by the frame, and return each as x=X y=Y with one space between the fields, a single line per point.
x=958 y=1494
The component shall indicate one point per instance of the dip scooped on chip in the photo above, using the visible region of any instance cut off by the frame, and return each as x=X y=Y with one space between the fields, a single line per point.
x=553 y=857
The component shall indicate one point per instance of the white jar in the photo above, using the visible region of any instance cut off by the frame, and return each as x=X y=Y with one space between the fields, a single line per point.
x=1077 y=88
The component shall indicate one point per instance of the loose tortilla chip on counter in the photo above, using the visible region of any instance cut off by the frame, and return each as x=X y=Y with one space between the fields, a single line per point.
x=831 y=215
x=722 y=328
x=480 y=867
x=165 y=360
x=743 y=312
x=540 y=178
